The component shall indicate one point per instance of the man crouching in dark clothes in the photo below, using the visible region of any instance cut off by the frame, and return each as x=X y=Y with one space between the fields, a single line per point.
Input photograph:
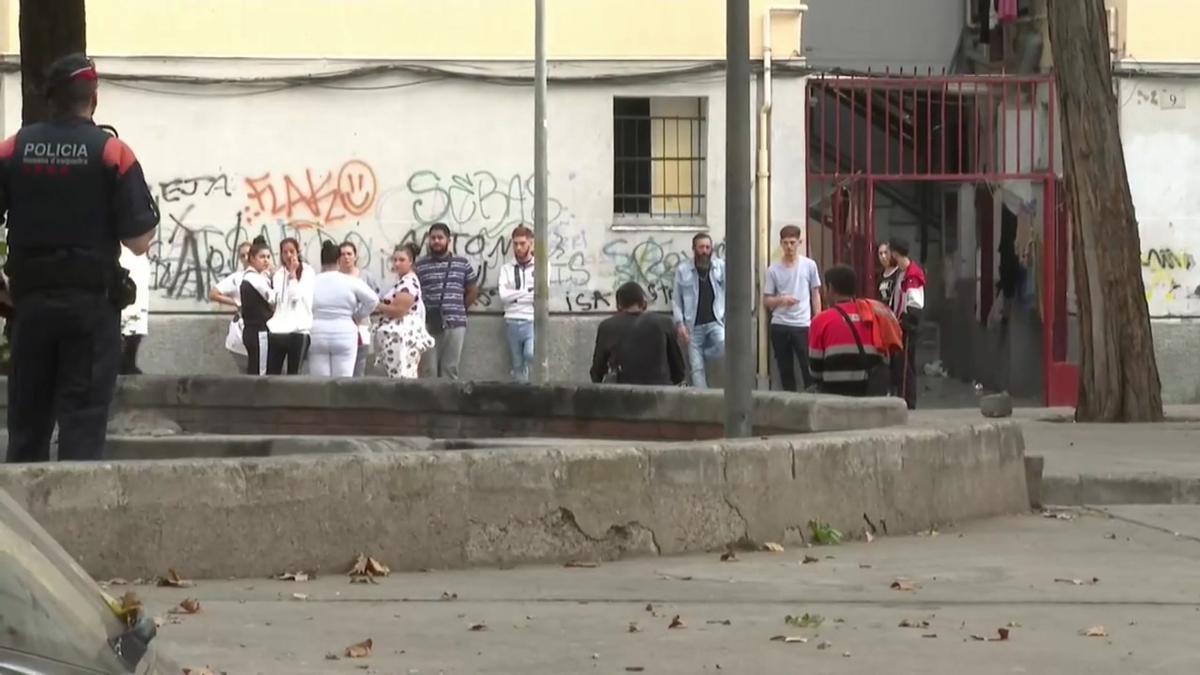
x=635 y=346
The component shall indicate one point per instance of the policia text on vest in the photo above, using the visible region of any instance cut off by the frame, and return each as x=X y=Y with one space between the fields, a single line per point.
x=71 y=195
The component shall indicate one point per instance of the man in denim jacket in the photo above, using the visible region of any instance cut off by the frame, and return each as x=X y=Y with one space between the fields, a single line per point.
x=699 y=307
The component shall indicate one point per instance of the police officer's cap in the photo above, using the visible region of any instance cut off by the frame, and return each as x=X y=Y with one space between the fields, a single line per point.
x=69 y=68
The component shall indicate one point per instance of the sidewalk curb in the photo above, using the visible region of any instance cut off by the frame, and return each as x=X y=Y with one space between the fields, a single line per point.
x=1100 y=490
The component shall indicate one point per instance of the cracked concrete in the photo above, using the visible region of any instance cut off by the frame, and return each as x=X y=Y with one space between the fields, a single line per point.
x=422 y=509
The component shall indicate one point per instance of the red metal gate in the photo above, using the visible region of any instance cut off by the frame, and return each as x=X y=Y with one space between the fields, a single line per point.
x=873 y=133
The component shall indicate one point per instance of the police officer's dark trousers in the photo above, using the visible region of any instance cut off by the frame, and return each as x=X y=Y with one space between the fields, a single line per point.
x=66 y=350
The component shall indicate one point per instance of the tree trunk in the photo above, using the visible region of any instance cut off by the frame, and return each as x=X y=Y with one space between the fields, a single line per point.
x=49 y=29
x=1118 y=374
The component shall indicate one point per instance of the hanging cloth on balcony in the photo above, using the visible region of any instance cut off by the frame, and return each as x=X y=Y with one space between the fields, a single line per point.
x=1006 y=11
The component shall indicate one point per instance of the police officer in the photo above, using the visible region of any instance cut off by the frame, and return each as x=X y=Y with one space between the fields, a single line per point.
x=72 y=194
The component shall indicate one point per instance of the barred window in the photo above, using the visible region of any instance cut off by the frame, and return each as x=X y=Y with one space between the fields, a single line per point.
x=659 y=162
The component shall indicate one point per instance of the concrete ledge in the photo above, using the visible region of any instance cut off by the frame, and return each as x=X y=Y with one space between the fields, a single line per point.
x=441 y=509
x=444 y=409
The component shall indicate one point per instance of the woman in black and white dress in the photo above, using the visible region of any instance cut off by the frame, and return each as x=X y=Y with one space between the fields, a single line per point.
x=258 y=306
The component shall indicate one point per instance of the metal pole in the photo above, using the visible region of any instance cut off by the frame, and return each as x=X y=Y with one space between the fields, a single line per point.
x=739 y=248
x=541 y=234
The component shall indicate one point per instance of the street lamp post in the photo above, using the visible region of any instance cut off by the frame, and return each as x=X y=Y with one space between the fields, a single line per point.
x=541 y=235
x=739 y=346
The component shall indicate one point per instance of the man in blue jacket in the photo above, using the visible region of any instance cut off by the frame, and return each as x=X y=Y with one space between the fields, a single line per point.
x=699 y=307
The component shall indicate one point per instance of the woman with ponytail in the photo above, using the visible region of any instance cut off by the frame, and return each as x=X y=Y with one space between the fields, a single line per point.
x=340 y=302
x=289 y=327
x=258 y=305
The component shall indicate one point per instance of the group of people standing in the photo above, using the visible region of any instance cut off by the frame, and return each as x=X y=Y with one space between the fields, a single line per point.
x=856 y=346
x=327 y=322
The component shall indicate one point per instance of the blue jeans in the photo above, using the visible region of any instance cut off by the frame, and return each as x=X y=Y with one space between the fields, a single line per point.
x=520 y=347
x=704 y=341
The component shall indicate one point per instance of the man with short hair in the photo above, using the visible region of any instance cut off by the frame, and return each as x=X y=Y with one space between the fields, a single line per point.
x=908 y=301
x=698 y=306
x=635 y=346
x=792 y=294
x=73 y=195
x=843 y=354
x=449 y=285
x=516 y=293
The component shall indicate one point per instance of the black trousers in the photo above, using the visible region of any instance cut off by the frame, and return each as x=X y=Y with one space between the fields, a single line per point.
x=254 y=339
x=903 y=369
x=790 y=344
x=290 y=347
x=66 y=350
x=129 y=350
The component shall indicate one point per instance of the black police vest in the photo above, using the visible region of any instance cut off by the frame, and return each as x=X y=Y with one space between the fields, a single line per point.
x=66 y=190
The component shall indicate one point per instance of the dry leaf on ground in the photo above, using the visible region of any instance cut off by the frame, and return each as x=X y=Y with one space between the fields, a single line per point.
x=360 y=650
x=914 y=623
x=478 y=627
x=294 y=576
x=772 y=547
x=190 y=605
x=729 y=556
x=649 y=607
x=808 y=560
x=174 y=580
x=1095 y=631
x=677 y=622
x=825 y=644
x=367 y=566
x=582 y=563
x=787 y=639
x=903 y=585
x=129 y=608
x=634 y=627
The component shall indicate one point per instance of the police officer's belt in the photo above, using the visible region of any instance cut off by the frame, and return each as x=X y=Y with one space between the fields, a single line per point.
x=62 y=269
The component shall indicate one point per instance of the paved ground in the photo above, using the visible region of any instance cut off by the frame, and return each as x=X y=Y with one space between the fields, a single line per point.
x=973 y=580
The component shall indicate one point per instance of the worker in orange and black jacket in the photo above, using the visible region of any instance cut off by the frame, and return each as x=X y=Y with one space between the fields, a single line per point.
x=71 y=194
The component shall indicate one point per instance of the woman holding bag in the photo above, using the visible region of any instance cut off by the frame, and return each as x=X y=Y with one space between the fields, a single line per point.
x=401 y=331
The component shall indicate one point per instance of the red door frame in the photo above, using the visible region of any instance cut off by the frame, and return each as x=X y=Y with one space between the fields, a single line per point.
x=962 y=116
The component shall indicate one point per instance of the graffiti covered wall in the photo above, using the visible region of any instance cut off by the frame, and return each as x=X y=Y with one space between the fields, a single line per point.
x=1161 y=137
x=377 y=166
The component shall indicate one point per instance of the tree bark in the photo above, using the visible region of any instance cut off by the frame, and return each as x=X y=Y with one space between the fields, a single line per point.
x=1118 y=375
x=49 y=29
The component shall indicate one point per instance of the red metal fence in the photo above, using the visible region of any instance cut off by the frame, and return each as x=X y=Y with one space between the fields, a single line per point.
x=866 y=131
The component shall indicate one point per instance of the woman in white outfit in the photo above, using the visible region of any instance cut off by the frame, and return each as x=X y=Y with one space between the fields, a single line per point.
x=290 y=325
x=401 y=331
x=228 y=291
x=135 y=319
x=340 y=302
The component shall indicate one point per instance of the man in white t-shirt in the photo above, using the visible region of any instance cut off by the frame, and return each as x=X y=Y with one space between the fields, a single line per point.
x=792 y=294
